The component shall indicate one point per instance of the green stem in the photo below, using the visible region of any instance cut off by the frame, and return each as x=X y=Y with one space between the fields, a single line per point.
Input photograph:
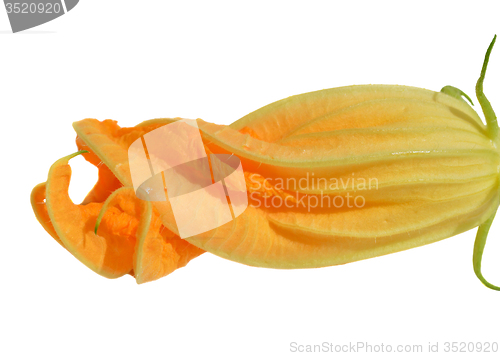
x=456 y=93
x=491 y=121
x=482 y=234
x=106 y=205
x=102 y=211
x=489 y=114
x=76 y=154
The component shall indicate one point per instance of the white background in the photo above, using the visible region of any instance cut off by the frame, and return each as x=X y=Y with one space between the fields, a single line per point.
x=137 y=60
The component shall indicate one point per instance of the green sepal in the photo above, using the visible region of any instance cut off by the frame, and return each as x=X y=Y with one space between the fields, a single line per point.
x=489 y=114
x=479 y=244
x=456 y=93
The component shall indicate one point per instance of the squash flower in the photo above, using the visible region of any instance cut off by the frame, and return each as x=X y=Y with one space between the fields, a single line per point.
x=331 y=177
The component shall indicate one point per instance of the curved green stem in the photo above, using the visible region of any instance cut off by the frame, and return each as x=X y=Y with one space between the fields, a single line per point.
x=456 y=93
x=491 y=121
x=105 y=206
x=489 y=114
x=98 y=221
x=482 y=234
x=102 y=211
x=76 y=154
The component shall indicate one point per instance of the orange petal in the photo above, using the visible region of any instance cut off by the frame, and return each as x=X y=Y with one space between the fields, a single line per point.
x=110 y=252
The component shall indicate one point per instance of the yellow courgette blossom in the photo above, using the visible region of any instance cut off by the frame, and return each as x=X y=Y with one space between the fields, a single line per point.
x=410 y=167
